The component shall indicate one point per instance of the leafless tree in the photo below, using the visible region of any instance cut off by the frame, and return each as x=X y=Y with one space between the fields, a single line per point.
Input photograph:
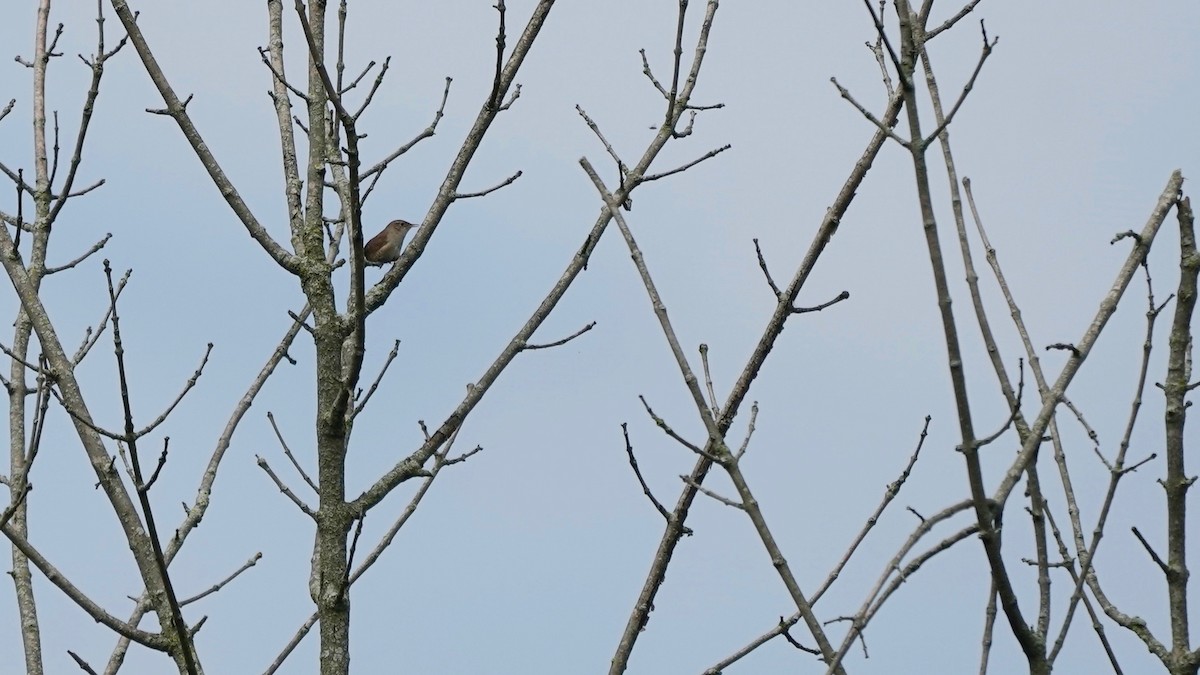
x=900 y=52
x=325 y=163
x=326 y=170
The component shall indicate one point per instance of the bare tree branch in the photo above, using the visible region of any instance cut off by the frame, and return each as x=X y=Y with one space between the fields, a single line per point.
x=151 y=640
x=176 y=109
x=563 y=341
x=224 y=582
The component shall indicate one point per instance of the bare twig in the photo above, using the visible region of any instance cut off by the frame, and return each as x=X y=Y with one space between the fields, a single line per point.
x=563 y=341
x=504 y=183
x=362 y=108
x=83 y=665
x=889 y=494
x=703 y=490
x=1150 y=550
x=86 y=254
x=949 y=117
x=680 y=169
x=844 y=295
x=262 y=463
x=91 y=337
x=708 y=385
x=191 y=383
x=633 y=464
x=762 y=264
x=425 y=133
x=624 y=170
x=497 y=92
x=662 y=424
x=162 y=461
x=949 y=23
x=288 y=452
x=883 y=126
x=395 y=351
x=645 y=70
x=262 y=52
x=749 y=431
x=224 y=582
x=1014 y=412
x=342 y=89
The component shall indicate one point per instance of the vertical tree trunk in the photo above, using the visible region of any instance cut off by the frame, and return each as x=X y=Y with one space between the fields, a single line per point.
x=333 y=522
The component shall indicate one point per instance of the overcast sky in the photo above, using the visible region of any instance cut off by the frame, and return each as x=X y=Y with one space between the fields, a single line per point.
x=528 y=557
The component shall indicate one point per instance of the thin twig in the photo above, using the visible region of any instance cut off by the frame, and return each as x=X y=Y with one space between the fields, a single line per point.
x=724 y=500
x=624 y=170
x=86 y=254
x=188 y=386
x=749 y=431
x=879 y=124
x=224 y=582
x=844 y=295
x=633 y=464
x=425 y=133
x=387 y=362
x=494 y=98
x=563 y=341
x=162 y=461
x=262 y=463
x=708 y=383
x=504 y=183
x=762 y=264
x=680 y=169
x=288 y=453
x=962 y=96
x=83 y=665
x=662 y=424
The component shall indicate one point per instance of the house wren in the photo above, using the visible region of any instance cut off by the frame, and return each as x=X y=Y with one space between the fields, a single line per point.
x=387 y=246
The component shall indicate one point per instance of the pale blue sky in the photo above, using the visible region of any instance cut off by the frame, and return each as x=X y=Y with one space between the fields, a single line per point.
x=527 y=559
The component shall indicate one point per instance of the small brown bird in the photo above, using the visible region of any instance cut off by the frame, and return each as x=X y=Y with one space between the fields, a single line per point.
x=387 y=246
